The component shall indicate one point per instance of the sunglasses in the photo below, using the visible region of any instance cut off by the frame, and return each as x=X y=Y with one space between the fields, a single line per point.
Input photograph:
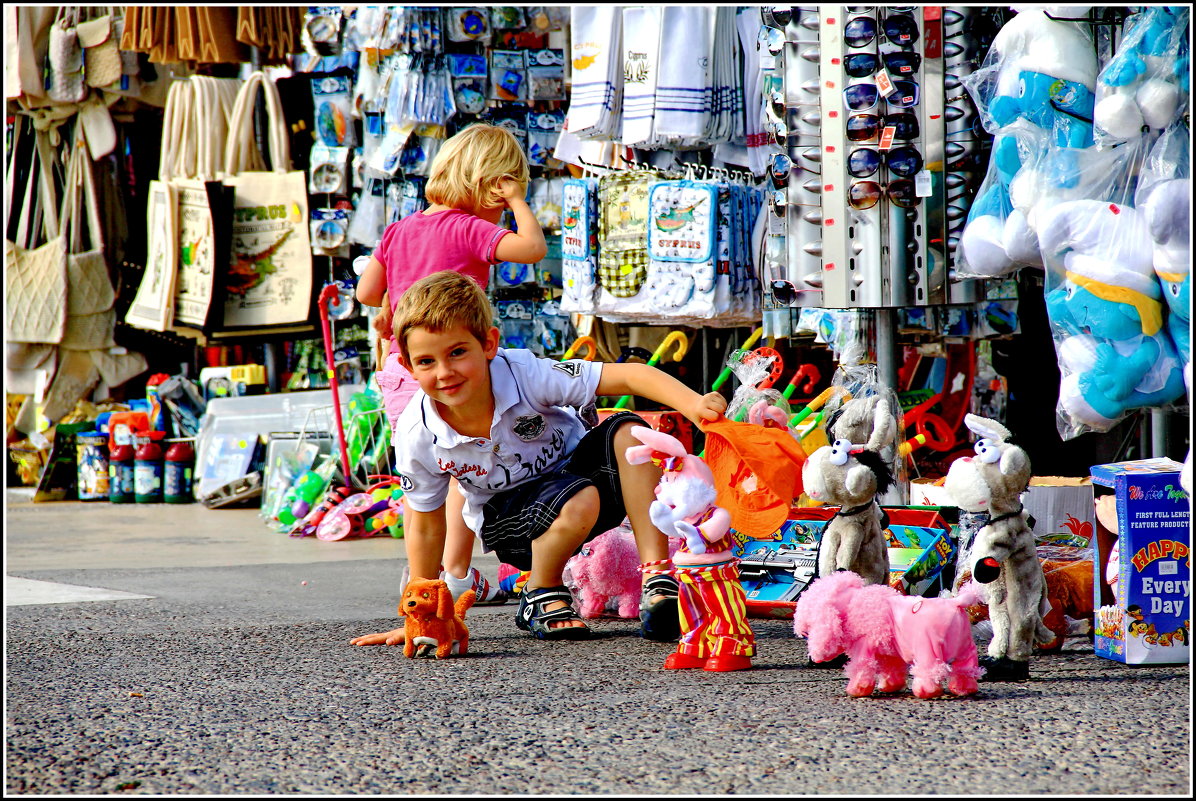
x=863 y=195
x=776 y=16
x=901 y=29
x=862 y=127
x=864 y=65
x=859 y=31
x=904 y=161
x=905 y=94
x=863 y=162
x=787 y=292
x=861 y=96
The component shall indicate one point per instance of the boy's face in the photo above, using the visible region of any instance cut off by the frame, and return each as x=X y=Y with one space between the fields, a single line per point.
x=452 y=367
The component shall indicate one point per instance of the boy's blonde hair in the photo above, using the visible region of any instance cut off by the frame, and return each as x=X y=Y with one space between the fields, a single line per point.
x=468 y=167
x=439 y=302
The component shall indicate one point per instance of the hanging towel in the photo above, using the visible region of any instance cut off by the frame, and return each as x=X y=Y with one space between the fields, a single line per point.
x=597 y=72
x=641 y=60
x=683 y=90
x=748 y=23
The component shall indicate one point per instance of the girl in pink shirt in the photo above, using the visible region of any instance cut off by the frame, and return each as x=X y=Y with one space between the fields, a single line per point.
x=475 y=176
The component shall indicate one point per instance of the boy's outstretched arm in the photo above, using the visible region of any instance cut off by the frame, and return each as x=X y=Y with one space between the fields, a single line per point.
x=623 y=378
x=423 y=535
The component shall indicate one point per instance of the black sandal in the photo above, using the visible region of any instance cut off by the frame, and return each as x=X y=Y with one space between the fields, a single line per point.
x=533 y=617
x=660 y=621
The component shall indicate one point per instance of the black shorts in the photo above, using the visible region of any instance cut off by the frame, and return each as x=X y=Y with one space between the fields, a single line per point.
x=512 y=519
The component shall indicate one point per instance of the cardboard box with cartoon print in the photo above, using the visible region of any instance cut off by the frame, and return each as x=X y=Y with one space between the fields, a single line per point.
x=1143 y=616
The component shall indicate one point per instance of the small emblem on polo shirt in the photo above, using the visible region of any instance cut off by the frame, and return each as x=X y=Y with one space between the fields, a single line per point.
x=405 y=484
x=572 y=368
x=529 y=426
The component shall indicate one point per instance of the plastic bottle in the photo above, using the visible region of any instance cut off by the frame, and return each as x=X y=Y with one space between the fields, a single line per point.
x=120 y=473
x=157 y=415
x=147 y=470
x=177 y=472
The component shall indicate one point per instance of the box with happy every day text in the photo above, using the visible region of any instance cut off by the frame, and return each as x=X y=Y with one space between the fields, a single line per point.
x=1142 y=616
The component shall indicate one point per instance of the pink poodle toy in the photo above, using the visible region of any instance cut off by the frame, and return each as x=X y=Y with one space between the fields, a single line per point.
x=715 y=634
x=885 y=633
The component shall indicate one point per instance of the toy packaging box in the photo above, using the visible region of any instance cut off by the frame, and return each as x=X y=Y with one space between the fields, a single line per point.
x=775 y=571
x=1143 y=617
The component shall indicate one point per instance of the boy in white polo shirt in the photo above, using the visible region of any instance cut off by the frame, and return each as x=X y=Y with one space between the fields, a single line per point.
x=509 y=427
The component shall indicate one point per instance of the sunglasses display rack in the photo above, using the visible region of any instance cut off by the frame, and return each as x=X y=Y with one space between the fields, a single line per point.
x=966 y=144
x=792 y=247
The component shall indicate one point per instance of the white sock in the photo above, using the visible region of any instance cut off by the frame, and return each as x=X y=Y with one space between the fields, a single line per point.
x=458 y=585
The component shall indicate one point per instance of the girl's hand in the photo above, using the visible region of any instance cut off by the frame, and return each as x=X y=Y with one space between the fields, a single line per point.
x=509 y=189
x=384 y=321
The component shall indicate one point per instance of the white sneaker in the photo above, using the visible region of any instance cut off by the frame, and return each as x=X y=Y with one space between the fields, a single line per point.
x=487 y=594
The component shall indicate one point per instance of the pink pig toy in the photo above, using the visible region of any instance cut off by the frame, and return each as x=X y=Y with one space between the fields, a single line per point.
x=885 y=634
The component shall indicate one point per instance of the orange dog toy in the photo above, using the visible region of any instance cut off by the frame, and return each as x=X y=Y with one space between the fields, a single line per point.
x=433 y=620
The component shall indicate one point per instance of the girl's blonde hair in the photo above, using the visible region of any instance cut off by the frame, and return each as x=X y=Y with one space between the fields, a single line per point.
x=468 y=167
x=439 y=302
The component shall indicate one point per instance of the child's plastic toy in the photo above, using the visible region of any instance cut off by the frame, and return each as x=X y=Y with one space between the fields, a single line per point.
x=851 y=476
x=715 y=634
x=1038 y=77
x=885 y=634
x=1003 y=554
x=433 y=621
x=308 y=525
x=1145 y=85
x=305 y=492
x=1108 y=314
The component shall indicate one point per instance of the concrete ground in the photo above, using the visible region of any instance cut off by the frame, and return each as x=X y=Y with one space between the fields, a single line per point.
x=180 y=650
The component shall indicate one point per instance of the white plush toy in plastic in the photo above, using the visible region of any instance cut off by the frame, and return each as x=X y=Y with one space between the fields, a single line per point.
x=1168 y=212
x=1107 y=312
x=1036 y=86
x=1143 y=86
x=1003 y=555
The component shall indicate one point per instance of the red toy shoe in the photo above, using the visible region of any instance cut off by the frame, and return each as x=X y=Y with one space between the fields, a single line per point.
x=727 y=663
x=680 y=661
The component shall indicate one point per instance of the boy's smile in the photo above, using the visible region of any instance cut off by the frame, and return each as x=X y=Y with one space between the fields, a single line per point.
x=453 y=369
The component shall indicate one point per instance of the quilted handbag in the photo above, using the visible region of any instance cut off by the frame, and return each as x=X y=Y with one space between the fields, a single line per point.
x=101 y=54
x=90 y=288
x=35 y=279
x=65 y=56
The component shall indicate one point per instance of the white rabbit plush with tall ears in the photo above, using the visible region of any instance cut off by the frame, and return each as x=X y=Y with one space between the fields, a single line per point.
x=715 y=634
x=851 y=476
x=1003 y=555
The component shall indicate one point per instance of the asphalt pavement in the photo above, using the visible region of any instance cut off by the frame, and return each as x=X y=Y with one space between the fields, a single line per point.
x=178 y=650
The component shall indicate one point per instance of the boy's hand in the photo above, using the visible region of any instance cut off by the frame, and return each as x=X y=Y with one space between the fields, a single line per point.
x=708 y=408
x=394 y=637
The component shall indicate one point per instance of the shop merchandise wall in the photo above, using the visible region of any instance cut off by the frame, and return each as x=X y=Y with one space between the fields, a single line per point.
x=915 y=188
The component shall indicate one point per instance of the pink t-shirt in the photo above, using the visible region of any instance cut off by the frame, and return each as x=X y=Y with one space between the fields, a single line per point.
x=421 y=244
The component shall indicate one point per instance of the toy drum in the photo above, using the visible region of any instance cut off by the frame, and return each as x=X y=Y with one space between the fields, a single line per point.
x=91 y=459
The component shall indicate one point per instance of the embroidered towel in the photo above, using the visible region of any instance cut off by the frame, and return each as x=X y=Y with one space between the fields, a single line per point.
x=641 y=61
x=597 y=72
x=683 y=91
